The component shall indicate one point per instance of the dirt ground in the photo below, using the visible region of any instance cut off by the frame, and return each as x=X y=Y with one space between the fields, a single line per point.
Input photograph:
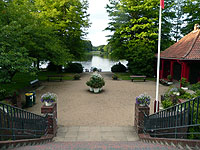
x=114 y=106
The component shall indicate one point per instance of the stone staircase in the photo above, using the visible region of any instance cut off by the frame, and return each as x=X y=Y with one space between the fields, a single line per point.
x=97 y=138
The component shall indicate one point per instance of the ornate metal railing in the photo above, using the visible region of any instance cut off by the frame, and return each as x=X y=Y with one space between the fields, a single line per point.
x=179 y=121
x=17 y=123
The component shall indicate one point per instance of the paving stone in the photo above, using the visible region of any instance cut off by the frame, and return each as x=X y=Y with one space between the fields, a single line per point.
x=71 y=134
x=73 y=128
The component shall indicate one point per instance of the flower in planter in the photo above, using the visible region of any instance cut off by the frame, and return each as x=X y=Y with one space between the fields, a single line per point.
x=184 y=82
x=48 y=97
x=169 y=77
x=143 y=99
x=96 y=81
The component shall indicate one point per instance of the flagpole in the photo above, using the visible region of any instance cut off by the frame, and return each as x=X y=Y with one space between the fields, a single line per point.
x=158 y=61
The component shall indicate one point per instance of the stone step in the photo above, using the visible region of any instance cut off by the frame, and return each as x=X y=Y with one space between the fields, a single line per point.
x=88 y=133
x=135 y=145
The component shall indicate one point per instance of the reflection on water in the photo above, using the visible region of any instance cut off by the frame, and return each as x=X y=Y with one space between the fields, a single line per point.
x=101 y=63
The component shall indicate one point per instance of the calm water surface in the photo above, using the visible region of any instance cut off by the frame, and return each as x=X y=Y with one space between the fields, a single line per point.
x=101 y=63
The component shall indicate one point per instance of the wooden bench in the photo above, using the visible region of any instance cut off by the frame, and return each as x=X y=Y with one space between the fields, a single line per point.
x=138 y=76
x=35 y=83
x=55 y=76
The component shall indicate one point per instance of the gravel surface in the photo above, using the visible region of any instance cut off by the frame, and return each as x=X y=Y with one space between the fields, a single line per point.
x=114 y=106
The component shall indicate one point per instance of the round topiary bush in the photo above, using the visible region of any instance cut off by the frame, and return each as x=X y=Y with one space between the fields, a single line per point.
x=118 y=68
x=74 y=68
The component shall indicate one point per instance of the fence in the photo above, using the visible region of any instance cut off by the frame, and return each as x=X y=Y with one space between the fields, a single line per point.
x=17 y=123
x=179 y=121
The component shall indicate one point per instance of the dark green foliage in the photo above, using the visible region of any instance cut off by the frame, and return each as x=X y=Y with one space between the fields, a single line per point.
x=2 y=94
x=87 y=45
x=184 y=82
x=118 y=68
x=96 y=82
x=169 y=77
x=94 y=69
x=167 y=103
x=196 y=86
x=182 y=92
x=74 y=68
x=54 y=68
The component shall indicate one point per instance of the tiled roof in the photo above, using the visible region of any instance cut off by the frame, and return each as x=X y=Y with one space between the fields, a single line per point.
x=187 y=48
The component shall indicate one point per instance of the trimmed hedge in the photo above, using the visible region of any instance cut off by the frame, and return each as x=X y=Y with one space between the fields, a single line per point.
x=74 y=68
x=118 y=68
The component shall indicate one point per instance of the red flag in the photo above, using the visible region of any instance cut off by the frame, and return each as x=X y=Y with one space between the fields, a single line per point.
x=162 y=4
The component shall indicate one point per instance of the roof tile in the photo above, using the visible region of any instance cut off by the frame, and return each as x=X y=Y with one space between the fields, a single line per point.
x=186 y=48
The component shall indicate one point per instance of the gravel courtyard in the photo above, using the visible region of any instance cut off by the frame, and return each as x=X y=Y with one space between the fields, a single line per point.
x=114 y=106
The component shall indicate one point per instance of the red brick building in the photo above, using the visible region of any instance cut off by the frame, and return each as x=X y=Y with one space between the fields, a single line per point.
x=183 y=58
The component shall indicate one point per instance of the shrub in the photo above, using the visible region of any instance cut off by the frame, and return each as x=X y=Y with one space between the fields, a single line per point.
x=2 y=94
x=184 y=82
x=96 y=81
x=54 y=68
x=167 y=103
x=169 y=77
x=77 y=76
x=118 y=68
x=95 y=69
x=74 y=68
x=196 y=86
x=114 y=77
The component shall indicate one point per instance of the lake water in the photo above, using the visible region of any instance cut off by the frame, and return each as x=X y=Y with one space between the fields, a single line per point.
x=104 y=64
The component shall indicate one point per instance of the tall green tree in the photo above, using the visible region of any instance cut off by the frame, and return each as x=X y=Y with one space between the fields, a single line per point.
x=135 y=29
x=69 y=18
x=191 y=11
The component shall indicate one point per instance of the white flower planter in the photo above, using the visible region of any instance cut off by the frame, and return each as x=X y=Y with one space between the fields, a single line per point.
x=91 y=89
x=47 y=104
x=96 y=90
x=169 y=83
x=184 y=88
x=100 y=89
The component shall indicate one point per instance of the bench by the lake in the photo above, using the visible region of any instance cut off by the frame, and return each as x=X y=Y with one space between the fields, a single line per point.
x=35 y=83
x=54 y=77
x=138 y=77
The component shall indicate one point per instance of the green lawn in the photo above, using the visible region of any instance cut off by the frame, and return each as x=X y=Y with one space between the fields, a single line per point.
x=22 y=80
x=126 y=76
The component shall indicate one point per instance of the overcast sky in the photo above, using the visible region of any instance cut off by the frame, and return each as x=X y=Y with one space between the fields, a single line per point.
x=99 y=20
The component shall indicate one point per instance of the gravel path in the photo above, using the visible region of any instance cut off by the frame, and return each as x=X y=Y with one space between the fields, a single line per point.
x=114 y=106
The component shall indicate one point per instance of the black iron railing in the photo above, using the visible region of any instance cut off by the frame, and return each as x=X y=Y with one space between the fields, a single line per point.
x=17 y=123
x=179 y=121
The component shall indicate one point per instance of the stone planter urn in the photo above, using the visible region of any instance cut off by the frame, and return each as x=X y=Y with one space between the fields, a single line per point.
x=96 y=90
x=47 y=103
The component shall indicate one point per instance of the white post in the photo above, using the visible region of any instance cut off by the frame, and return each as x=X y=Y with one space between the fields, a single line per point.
x=158 y=61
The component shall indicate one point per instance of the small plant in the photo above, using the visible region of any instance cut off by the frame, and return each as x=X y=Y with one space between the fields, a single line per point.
x=184 y=82
x=114 y=77
x=77 y=77
x=167 y=103
x=48 y=97
x=169 y=77
x=143 y=99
